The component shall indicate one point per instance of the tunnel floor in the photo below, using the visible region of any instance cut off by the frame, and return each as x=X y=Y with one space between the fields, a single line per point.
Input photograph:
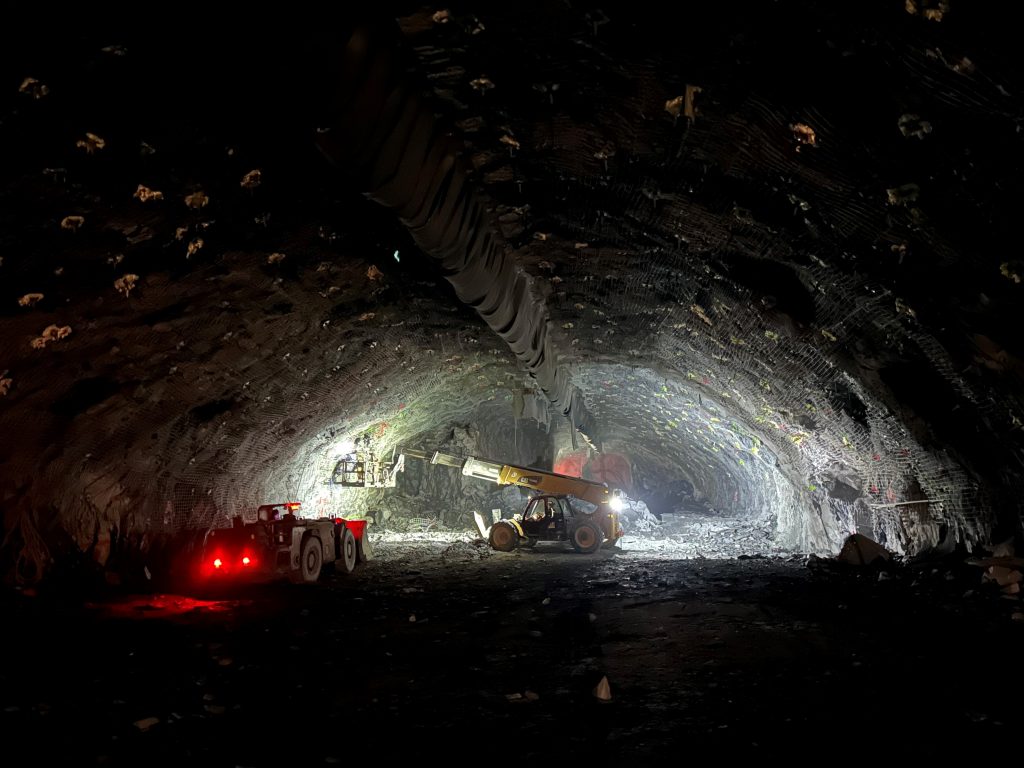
x=460 y=657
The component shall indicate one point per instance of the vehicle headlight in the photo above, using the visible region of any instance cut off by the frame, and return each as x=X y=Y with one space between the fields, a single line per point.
x=616 y=503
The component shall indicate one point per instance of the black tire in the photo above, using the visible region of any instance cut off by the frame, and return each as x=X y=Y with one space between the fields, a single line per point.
x=347 y=551
x=586 y=537
x=311 y=560
x=503 y=537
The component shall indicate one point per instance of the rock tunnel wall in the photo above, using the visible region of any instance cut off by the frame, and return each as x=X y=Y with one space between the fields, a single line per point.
x=785 y=292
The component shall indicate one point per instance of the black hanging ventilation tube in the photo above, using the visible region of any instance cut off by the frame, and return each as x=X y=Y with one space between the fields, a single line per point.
x=379 y=129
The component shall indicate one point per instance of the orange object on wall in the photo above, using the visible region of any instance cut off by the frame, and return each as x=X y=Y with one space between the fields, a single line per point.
x=611 y=468
x=571 y=464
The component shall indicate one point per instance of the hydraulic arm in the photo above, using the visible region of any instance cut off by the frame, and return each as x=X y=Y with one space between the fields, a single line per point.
x=510 y=474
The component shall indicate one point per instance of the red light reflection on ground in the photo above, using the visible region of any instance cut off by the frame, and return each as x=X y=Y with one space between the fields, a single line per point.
x=163 y=606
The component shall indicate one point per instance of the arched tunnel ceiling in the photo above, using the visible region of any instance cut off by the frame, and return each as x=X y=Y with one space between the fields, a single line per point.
x=774 y=242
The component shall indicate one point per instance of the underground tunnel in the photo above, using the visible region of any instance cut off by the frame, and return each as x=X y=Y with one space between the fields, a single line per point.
x=741 y=283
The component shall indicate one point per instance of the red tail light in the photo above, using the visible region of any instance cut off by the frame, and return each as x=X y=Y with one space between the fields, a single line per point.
x=246 y=560
x=217 y=563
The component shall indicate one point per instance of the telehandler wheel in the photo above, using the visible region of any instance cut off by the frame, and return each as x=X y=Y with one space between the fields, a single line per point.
x=586 y=537
x=347 y=547
x=310 y=560
x=503 y=537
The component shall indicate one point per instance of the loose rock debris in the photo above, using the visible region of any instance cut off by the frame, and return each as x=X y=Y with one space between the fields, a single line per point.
x=914 y=126
x=197 y=200
x=51 y=334
x=126 y=284
x=30 y=299
x=932 y=10
x=252 y=179
x=145 y=194
x=804 y=134
x=904 y=195
x=146 y=723
x=860 y=550
x=33 y=88
x=91 y=143
x=1011 y=270
x=683 y=105
x=1002 y=569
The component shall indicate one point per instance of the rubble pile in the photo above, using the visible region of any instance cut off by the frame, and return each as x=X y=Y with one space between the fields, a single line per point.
x=688 y=534
x=417 y=548
x=462 y=550
x=1005 y=572
x=949 y=576
x=637 y=519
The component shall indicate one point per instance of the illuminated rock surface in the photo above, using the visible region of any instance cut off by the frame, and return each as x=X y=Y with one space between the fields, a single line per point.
x=775 y=244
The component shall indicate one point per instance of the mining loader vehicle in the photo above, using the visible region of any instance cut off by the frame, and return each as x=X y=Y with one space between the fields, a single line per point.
x=549 y=516
x=280 y=543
